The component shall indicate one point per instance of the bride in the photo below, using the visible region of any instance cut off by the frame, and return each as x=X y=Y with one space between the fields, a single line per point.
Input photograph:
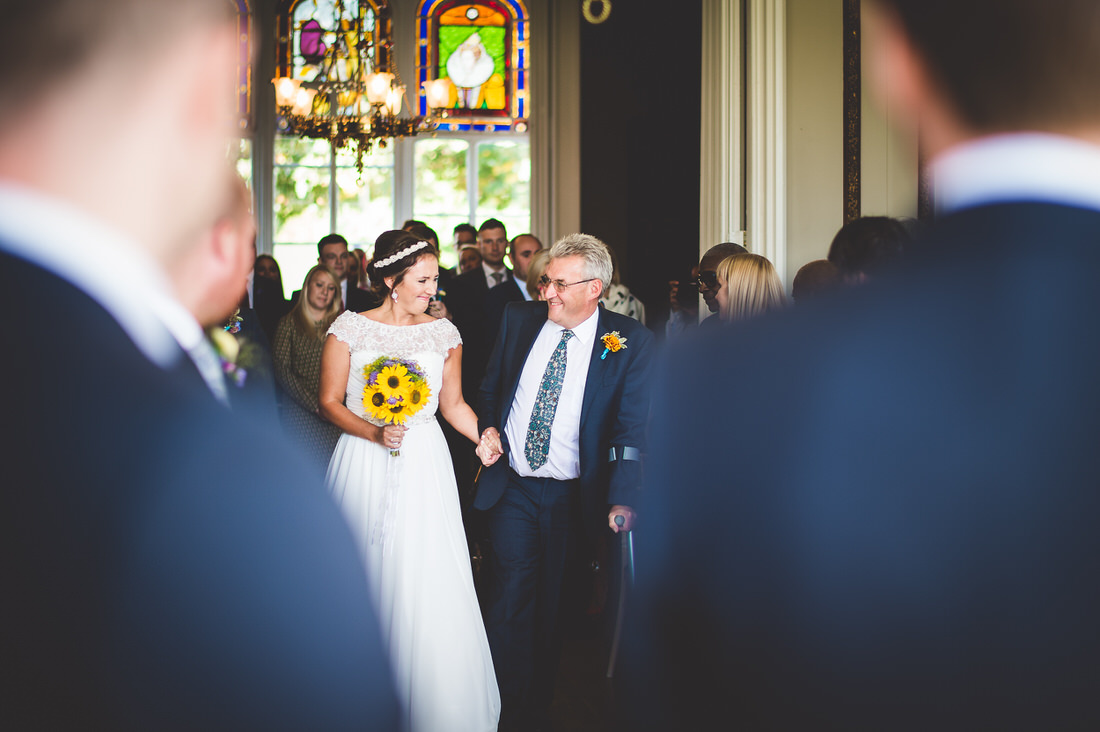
x=396 y=486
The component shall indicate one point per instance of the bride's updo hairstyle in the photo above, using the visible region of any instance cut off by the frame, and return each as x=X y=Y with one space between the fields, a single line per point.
x=394 y=253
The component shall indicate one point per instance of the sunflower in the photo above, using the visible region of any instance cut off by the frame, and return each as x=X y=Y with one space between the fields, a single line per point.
x=393 y=380
x=416 y=395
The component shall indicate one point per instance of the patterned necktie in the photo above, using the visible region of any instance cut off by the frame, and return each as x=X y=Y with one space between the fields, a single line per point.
x=537 y=445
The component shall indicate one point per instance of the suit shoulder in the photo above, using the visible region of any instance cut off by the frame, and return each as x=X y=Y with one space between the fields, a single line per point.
x=627 y=326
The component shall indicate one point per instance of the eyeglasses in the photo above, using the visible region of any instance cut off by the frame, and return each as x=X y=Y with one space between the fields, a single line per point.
x=560 y=285
x=706 y=280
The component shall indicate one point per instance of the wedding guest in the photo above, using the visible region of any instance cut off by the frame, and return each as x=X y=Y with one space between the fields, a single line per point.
x=332 y=251
x=864 y=247
x=747 y=286
x=209 y=282
x=167 y=564
x=683 y=304
x=520 y=252
x=535 y=270
x=617 y=297
x=395 y=484
x=707 y=278
x=899 y=532
x=465 y=234
x=297 y=355
x=813 y=279
x=268 y=299
x=469 y=257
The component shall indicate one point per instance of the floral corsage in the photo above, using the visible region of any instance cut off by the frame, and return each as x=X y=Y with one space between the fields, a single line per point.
x=612 y=343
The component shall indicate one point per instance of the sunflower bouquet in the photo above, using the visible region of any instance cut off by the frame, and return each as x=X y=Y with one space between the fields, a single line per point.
x=395 y=390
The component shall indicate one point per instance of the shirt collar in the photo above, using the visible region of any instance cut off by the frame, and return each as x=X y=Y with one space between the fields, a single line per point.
x=1017 y=167
x=102 y=262
x=489 y=271
x=585 y=332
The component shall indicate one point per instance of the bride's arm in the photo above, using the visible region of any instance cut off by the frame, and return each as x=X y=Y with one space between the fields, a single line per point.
x=451 y=404
x=335 y=366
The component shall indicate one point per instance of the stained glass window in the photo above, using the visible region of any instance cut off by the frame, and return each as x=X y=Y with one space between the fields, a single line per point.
x=478 y=51
x=314 y=34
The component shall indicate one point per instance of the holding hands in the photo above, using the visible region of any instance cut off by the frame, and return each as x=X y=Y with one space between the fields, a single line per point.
x=490 y=448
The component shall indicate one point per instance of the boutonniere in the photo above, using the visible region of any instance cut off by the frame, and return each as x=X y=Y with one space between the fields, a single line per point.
x=229 y=351
x=233 y=325
x=612 y=343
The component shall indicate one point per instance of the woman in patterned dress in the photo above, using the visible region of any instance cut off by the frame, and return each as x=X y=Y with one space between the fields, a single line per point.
x=296 y=353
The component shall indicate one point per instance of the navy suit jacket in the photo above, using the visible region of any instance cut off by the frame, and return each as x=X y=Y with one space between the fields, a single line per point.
x=614 y=410
x=466 y=301
x=166 y=563
x=496 y=299
x=888 y=518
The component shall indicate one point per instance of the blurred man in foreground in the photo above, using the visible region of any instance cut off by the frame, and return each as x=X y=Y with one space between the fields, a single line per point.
x=893 y=525
x=166 y=564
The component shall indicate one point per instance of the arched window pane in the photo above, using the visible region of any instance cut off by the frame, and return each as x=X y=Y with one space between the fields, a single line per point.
x=481 y=49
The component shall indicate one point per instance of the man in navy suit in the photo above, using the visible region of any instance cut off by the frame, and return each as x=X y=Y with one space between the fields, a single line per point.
x=566 y=408
x=166 y=563
x=466 y=301
x=520 y=251
x=889 y=521
x=332 y=251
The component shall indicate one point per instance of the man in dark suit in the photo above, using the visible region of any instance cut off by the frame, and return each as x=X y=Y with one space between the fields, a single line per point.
x=466 y=301
x=332 y=251
x=520 y=251
x=167 y=564
x=566 y=408
x=889 y=522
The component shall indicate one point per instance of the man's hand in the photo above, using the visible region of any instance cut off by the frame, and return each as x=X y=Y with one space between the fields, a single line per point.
x=490 y=448
x=628 y=518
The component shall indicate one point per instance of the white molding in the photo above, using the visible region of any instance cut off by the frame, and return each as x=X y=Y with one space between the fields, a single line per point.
x=721 y=130
x=766 y=189
x=555 y=119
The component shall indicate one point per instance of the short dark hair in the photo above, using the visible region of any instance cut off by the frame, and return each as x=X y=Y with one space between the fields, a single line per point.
x=80 y=32
x=468 y=228
x=718 y=252
x=1009 y=65
x=814 y=278
x=867 y=244
x=492 y=224
x=410 y=223
x=423 y=231
x=330 y=239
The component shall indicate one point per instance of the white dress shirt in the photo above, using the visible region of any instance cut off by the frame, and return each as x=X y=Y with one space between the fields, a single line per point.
x=1029 y=166
x=107 y=266
x=563 y=460
x=489 y=272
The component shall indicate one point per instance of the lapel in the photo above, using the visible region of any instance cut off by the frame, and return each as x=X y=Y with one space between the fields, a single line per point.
x=528 y=332
x=596 y=369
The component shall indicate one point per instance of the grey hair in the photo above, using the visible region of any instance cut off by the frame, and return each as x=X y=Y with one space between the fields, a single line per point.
x=596 y=256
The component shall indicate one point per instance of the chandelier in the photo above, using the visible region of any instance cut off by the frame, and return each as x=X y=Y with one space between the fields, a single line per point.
x=353 y=98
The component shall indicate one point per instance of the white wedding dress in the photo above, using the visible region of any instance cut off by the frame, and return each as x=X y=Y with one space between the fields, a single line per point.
x=405 y=514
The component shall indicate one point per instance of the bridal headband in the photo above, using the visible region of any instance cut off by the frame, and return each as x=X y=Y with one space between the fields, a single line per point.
x=401 y=254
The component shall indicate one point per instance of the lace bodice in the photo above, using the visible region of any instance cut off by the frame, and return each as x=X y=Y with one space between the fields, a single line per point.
x=427 y=343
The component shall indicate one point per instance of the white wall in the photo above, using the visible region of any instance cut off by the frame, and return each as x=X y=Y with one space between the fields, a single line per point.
x=815 y=129
x=889 y=167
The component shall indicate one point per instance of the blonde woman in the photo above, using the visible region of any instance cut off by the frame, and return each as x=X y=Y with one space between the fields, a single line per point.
x=747 y=286
x=535 y=270
x=296 y=355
